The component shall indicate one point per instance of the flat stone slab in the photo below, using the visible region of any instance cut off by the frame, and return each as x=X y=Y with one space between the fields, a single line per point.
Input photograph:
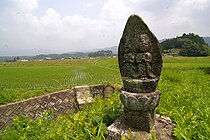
x=163 y=130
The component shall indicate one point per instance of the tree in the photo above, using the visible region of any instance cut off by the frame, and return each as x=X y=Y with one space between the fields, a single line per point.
x=102 y=53
x=188 y=44
x=194 y=49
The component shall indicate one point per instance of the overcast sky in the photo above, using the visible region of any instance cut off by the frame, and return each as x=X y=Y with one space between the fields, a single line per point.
x=28 y=27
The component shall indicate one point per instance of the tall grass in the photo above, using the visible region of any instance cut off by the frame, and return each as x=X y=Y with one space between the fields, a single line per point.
x=186 y=99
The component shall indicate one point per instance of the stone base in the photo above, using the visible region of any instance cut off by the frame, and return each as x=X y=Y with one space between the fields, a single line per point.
x=139 y=109
x=163 y=130
x=141 y=120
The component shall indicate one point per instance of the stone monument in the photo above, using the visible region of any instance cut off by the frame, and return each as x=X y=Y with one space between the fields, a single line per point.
x=140 y=64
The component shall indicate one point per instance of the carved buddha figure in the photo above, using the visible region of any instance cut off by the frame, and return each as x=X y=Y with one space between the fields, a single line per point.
x=137 y=62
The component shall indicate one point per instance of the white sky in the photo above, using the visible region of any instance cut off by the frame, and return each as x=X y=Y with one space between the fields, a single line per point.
x=29 y=27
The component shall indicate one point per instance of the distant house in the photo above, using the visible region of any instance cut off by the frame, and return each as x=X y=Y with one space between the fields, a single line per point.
x=24 y=60
x=48 y=58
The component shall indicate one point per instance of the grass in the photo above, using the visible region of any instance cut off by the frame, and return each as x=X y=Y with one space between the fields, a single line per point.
x=186 y=99
x=184 y=83
x=185 y=86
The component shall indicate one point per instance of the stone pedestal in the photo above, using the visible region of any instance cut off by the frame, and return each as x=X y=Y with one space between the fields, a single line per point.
x=142 y=120
x=140 y=109
x=162 y=130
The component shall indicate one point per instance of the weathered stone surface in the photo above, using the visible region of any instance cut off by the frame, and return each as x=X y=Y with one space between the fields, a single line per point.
x=140 y=85
x=163 y=130
x=140 y=109
x=140 y=101
x=85 y=94
x=142 y=120
x=97 y=91
x=108 y=91
x=82 y=92
x=139 y=57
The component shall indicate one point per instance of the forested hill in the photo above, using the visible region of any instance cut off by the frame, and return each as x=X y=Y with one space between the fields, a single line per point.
x=207 y=40
x=186 y=45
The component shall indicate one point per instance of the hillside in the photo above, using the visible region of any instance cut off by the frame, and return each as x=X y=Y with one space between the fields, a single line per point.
x=114 y=49
x=207 y=40
x=186 y=45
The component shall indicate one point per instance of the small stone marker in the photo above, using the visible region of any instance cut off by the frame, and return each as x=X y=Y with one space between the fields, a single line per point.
x=140 y=64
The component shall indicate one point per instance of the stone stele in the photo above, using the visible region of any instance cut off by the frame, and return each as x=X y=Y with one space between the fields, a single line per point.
x=140 y=64
x=139 y=57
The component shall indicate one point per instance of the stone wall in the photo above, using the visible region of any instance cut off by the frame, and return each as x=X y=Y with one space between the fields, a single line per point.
x=61 y=102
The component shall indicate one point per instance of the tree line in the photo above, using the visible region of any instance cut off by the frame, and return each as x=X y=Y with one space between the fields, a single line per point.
x=102 y=53
x=186 y=45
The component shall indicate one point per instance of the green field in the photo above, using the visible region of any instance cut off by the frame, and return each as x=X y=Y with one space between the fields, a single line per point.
x=184 y=83
x=21 y=80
